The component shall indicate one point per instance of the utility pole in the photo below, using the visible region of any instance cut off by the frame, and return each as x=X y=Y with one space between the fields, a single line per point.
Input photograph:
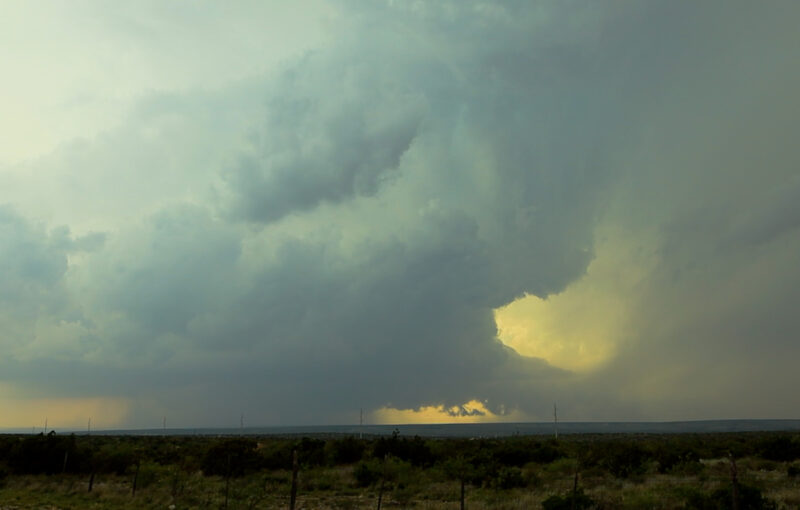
x=555 y=419
x=361 y=423
x=89 y=427
x=164 y=425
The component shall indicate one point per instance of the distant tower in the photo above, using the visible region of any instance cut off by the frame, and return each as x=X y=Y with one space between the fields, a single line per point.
x=555 y=419
x=164 y=425
x=89 y=427
x=241 y=423
x=361 y=423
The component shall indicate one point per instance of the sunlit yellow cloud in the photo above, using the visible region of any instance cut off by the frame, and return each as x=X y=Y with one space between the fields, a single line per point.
x=473 y=411
x=581 y=328
x=60 y=413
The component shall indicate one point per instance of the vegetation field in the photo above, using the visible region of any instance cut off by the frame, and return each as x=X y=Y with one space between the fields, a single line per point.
x=701 y=471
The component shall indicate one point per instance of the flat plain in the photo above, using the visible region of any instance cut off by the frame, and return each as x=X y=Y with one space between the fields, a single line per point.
x=603 y=471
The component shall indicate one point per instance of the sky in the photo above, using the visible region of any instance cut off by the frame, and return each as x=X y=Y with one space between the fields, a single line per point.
x=450 y=211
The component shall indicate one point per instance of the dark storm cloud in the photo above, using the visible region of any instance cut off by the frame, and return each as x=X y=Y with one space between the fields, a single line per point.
x=334 y=130
x=172 y=273
x=716 y=189
x=31 y=265
x=34 y=263
x=474 y=173
x=435 y=162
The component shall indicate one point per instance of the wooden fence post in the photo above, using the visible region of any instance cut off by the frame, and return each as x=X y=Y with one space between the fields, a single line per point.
x=383 y=480
x=135 y=479
x=227 y=480
x=734 y=483
x=293 y=497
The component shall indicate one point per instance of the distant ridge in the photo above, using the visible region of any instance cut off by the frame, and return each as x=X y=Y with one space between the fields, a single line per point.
x=481 y=429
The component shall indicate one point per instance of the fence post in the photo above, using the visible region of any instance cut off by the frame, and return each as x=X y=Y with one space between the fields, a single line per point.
x=135 y=479
x=293 y=497
x=734 y=483
x=383 y=480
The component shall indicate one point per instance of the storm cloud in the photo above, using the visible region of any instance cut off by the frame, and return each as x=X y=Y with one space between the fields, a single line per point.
x=339 y=231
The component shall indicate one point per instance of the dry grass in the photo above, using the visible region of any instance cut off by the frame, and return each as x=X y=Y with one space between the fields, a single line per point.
x=334 y=489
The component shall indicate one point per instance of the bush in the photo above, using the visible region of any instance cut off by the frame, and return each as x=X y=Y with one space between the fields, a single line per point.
x=149 y=473
x=625 y=460
x=669 y=457
x=348 y=450
x=750 y=498
x=545 y=453
x=48 y=454
x=780 y=449
x=513 y=452
x=311 y=452
x=572 y=501
x=367 y=473
x=415 y=450
x=319 y=479
x=509 y=478
x=232 y=457
x=3 y=476
x=688 y=468
x=277 y=455
x=114 y=459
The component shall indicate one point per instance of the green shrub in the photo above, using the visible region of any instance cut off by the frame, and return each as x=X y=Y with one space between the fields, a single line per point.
x=4 y=474
x=513 y=452
x=47 y=454
x=113 y=458
x=531 y=476
x=232 y=457
x=367 y=473
x=414 y=450
x=545 y=453
x=509 y=478
x=403 y=495
x=320 y=479
x=348 y=450
x=781 y=449
x=750 y=498
x=624 y=460
x=572 y=501
x=669 y=456
x=561 y=468
x=277 y=454
x=688 y=468
x=149 y=474
x=311 y=452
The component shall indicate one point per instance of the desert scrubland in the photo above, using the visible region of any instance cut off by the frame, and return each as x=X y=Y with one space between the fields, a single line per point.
x=703 y=471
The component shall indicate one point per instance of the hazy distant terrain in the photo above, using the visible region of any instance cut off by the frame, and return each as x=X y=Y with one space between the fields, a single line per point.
x=493 y=429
